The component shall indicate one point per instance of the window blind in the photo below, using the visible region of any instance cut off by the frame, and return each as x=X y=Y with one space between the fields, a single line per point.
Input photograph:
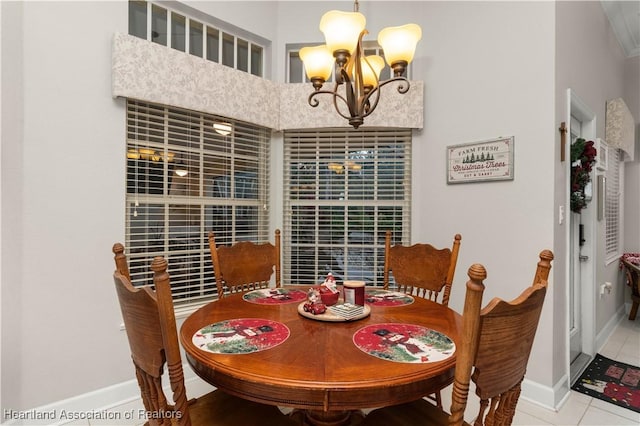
x=612 y=207
x=343 y=189
x=189 y=173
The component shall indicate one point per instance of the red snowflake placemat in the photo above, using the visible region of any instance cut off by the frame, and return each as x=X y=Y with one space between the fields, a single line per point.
x=404 y=343
x=275 y=296
x=241 y=336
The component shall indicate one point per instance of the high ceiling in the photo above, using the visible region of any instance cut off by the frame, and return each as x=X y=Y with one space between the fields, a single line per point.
x=625 y=19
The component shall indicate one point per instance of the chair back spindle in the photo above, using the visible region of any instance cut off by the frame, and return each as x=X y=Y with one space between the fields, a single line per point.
x=470 y=331
x=122 y=265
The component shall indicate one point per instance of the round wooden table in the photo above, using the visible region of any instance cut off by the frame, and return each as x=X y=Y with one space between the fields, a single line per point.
x=318 y=368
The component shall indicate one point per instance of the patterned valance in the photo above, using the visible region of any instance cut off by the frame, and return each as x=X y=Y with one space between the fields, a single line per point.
x=393 y=110
x=151 y=72
x=620 y=127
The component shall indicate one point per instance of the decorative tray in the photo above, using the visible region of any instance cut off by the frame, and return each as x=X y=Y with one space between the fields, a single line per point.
x=341 y=312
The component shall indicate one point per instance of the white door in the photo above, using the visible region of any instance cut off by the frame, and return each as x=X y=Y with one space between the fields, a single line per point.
x=581 y=263
x=576 y=239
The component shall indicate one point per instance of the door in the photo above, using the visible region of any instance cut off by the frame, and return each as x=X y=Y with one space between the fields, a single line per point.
x=581 y=309
x=576 y=240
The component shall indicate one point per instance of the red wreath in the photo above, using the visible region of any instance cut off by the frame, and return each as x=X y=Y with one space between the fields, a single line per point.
x=583 y=155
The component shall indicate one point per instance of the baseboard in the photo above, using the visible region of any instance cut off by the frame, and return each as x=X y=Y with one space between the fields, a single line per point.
x=607 y=330
x=545 y=396
x=114 y=405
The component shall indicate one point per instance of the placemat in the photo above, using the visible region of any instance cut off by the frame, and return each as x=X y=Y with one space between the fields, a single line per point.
x=275 y=296
x=379 y=297
x=241 y=336
x=404 y=343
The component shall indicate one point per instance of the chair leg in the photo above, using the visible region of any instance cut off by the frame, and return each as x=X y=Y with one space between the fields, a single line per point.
x=634 y=311
x=437 y=398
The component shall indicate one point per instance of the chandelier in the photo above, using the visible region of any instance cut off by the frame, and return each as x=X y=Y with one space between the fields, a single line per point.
x=357 y=73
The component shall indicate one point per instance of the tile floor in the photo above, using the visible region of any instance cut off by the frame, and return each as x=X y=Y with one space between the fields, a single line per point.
x=581 y=410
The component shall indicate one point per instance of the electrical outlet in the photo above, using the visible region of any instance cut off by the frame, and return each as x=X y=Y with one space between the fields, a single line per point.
x=605 y=288
x=560 y=215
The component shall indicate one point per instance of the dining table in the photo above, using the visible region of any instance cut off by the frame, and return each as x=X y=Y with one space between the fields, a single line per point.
x=266 y=347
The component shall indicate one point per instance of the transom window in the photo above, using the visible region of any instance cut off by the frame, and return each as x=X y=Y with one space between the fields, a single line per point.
x=174 y=28
x=189 y=173
x=343 y=190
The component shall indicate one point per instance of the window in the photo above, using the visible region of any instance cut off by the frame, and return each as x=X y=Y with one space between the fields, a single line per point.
x=343 y=190
x=186 y=177
x=170 y=28
x=612 y=206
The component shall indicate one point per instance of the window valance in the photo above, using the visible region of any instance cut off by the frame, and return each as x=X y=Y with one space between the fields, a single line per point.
x=150 y=72
x=620 y=127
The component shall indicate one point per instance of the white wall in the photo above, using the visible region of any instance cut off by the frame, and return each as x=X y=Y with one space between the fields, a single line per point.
x=632 y=169
x=488 y=70
x=591 y=62
x=12 y=105
x=61 y=320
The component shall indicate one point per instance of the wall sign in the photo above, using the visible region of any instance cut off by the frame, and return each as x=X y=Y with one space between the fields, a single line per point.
x=480 y=161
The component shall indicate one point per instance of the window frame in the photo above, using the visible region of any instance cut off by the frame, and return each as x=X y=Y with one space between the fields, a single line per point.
x=614 y=190
x=323 y=238
x=226 y=189
x=254 y=43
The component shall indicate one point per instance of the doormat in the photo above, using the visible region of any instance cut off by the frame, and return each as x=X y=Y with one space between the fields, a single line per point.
x=611 y=381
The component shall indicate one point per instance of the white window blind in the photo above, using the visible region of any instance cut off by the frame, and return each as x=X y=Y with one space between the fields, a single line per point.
x=612 y=207
x=184 y=179
x=343 y=189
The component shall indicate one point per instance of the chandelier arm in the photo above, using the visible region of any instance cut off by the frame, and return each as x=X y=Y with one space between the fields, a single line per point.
x=337 y=96
x=367 y=101
x=314 y=102
x=402 y=89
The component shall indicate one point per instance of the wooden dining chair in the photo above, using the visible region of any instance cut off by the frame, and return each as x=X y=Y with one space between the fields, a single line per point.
x=245 y=266
x=150 y=324
x=421 y=269
x=496 y=343
x=631 y=273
